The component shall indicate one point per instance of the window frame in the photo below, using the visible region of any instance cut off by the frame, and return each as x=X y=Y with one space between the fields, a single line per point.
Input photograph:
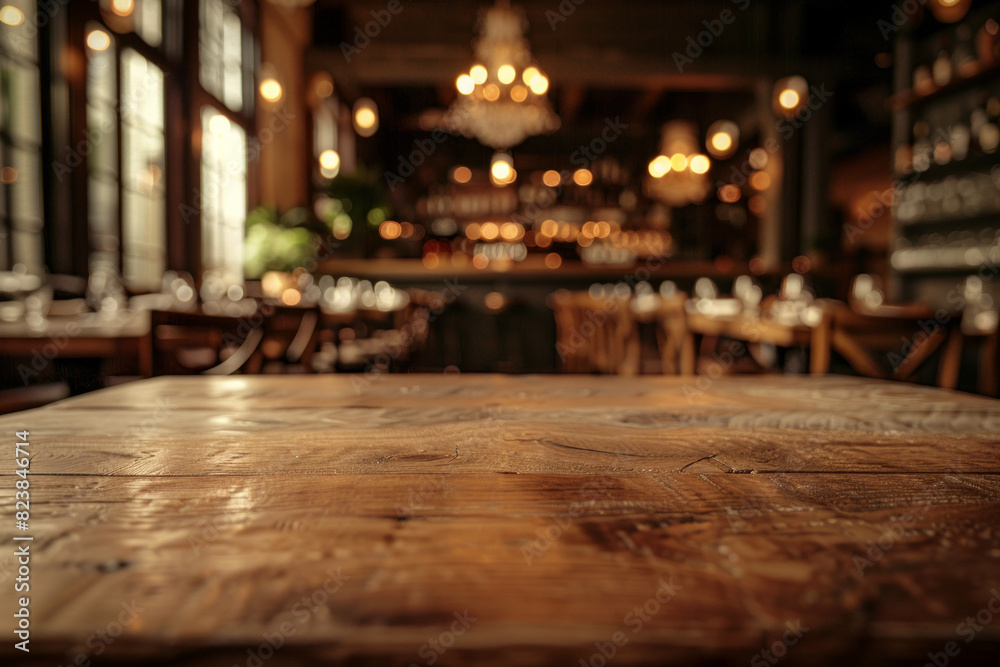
x=177 y=56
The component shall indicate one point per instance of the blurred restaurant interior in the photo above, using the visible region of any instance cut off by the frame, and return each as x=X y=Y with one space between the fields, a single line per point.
x=448 y=187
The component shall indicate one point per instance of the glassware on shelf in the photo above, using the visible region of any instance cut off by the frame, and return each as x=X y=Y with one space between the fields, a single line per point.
x=942 y=72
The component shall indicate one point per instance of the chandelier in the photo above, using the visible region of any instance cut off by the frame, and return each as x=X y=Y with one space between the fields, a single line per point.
x=502 y=98
x=678 y=176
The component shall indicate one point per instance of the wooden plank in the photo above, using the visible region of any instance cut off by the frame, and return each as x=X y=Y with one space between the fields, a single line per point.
x=548 y=508
x=227 y=562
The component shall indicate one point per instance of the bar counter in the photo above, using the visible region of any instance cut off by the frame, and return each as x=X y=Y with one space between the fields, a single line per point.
x=498 y=520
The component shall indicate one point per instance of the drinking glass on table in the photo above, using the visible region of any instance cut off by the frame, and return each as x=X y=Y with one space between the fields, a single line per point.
x=36 y=308
x=106 y=291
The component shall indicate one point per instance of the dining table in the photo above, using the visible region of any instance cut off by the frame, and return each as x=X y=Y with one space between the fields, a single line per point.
x=84 y=340
x=460 y=519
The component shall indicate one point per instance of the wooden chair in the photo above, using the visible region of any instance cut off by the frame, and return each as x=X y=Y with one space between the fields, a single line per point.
x=892 y=342
x=288 y=341
x=393 y=349
x=671 y=332
x=595 y=334
x=185 y=343
x=984 y=340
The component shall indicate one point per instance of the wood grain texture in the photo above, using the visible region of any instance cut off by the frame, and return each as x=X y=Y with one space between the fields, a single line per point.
x=546 y=508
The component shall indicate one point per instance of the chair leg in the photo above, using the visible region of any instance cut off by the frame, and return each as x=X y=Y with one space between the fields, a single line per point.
x=988 y=365
x=951 y=360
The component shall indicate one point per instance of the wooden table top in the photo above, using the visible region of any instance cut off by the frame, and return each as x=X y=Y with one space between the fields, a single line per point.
x=132 y=324
x=493 y=520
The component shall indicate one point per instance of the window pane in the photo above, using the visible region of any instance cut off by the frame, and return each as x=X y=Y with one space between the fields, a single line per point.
x=148 y=21
x=143 y=148
x=221 y=52
x=19 y=89
x=224 y=194
x=20 y=139
x=20 y=40
x=102 y=144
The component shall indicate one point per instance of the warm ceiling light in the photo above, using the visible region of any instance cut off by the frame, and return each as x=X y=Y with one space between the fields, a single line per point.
x=519 y=93
x=721 y=142
x=329 y=163
x=529 y=75
x=723 y=138
x=11 y=15
x=500 y=170
x=659 y=166
x=789 y=95
x=122 y=7
x=678 y=162
x=365 y=117
x=506 y=74
x=491 y=92
x=552 y=178
x=700 y=164
x=98 y=40
x=461 y=175
x=950 y=11
x=270 y=90
x=465 y=84
x=218 y=125
x=490 y=231
x=539 y=84
x=789 y=99
x=510 y=231
x=583 y=177
x=478 y=74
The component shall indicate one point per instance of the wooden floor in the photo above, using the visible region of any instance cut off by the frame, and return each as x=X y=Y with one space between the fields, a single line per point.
x=490 y=520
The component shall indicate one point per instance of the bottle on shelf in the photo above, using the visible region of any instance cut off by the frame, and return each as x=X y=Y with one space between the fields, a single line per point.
x=942 y=72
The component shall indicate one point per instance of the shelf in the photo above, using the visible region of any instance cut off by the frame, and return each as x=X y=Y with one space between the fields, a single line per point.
x=910 y=98
x=966 y=221
x=938 y=172
x=946 y=259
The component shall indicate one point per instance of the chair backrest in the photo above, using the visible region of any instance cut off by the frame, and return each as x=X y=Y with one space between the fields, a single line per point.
x=185 y=343
x=890 y=342
x=595 y=334
x=290 y=336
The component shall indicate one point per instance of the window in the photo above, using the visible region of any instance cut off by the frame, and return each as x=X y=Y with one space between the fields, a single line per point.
x=147 y=21
x=224 y=194
x=221 y=52
x=223 y=73
x=20 y=138
x=143 y=195
x=102 y=145
x=126 y=213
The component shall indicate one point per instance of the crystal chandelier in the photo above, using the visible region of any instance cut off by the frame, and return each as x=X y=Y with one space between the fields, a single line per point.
x=678 y=176
x=502 y=98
